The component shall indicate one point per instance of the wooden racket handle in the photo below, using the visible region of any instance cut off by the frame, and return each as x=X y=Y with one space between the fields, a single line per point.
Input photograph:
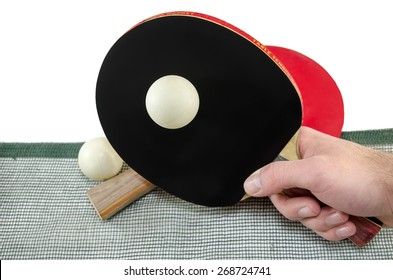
x=113 y=195
x=366 y=229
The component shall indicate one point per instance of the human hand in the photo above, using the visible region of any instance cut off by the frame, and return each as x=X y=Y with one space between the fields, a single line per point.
x=349 y=179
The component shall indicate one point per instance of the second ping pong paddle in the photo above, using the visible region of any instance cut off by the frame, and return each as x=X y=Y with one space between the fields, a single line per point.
x=251 y=105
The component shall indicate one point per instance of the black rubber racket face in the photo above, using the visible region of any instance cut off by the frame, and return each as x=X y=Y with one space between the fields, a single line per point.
x=249 y=108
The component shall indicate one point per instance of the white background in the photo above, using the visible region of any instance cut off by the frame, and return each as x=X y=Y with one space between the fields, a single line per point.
x=51 y=52
x=114 y=269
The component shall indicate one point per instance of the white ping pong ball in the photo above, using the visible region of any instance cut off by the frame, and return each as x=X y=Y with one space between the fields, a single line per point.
x=98 y=160
x=172 y=102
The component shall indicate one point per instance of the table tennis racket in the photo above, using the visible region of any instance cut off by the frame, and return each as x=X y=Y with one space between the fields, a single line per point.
x=250 y=107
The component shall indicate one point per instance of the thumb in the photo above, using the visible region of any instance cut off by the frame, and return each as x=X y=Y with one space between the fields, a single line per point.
x=280 y=175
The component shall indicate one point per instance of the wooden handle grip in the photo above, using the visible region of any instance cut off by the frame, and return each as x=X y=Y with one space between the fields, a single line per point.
x=366 y=229
x=113 y=195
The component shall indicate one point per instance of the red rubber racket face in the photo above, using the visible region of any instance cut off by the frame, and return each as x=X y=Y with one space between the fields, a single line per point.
x=249 y=106
x=323 y=107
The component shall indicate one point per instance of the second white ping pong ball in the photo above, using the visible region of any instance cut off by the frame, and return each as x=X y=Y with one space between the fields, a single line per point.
x=172 y=102
x=98 y=160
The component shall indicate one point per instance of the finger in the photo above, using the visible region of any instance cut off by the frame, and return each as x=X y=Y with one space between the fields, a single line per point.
x=278 y=176
x=306 y=173
x=343 y=231
x=296 y=208
x=331 y=224
x=327 y=219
